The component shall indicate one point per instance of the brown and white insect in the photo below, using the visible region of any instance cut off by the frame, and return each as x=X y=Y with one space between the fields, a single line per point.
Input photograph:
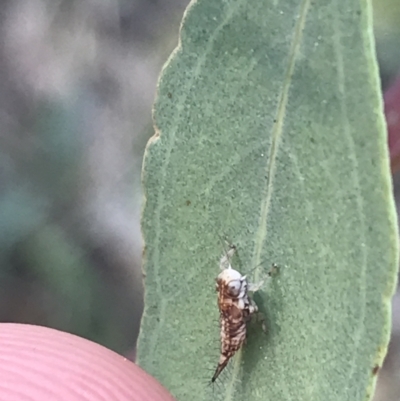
x=235 y=307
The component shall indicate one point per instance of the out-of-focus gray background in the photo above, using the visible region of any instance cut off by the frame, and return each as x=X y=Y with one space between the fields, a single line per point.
x=78 y=79
x=77 y=83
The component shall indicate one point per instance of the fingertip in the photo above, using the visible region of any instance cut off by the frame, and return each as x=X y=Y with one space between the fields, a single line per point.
x=39 y=363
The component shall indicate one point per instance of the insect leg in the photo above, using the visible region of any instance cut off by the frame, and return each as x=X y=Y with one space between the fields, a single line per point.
x=225 y=259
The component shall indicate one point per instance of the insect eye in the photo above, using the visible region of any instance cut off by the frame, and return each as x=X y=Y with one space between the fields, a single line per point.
x=234 y=288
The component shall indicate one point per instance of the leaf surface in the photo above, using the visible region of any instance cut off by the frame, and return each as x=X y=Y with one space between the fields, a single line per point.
x=269 y=131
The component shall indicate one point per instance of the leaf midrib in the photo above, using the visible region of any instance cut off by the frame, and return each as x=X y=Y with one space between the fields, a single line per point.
x=270 y=167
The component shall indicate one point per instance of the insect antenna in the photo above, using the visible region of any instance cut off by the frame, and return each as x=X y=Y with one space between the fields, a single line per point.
x=271 y=271
x=225 y=260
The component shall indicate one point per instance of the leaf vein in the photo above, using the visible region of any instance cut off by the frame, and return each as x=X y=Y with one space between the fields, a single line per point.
x=277 y=131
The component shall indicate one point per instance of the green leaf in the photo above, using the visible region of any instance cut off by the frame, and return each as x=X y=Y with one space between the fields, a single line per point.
x=270 y=131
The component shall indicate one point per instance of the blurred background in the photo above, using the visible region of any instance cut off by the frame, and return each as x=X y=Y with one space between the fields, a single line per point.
x=78 y=80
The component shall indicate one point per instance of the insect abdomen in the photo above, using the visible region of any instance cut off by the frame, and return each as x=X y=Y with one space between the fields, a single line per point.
x=233 y=335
